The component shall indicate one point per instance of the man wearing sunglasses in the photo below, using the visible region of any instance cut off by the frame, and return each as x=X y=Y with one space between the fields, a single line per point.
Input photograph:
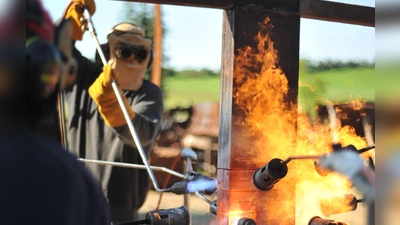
x=97 y=127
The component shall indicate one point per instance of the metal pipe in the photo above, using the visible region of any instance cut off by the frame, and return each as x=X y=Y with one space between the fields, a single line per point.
x=92 y=31
x=137 y=166
x=286 y=161
x=366 y=149
x=204 y=198
x=290 y=158
x=213 y=207
x=63 y=120
x=133 y=166
x=189 y=164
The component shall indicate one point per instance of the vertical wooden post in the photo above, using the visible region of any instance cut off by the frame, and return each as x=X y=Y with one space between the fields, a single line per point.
x=237 y=196
x=157 y=51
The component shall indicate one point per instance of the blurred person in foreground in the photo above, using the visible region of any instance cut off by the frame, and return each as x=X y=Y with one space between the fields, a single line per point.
x=97 y=127
x=42 y=183
x=388 y=159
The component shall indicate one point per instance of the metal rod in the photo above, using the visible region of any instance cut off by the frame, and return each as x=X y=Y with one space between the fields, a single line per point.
x=189 y=164
x=137 y=166
x=92 y=32
x=186 y=168
x=286 y=161
x=134 y=166
x=203 y=197
x=366 y=149
x=63 y=120
x=122 y=105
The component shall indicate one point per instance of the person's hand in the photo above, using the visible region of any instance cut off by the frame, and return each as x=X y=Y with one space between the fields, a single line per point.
x=74 y=12
x=103 y=94
x=107 y=75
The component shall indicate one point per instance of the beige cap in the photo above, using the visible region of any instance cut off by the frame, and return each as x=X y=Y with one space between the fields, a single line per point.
x=126 y=27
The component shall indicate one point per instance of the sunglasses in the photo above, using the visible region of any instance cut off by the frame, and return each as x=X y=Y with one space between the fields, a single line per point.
x=126 y=51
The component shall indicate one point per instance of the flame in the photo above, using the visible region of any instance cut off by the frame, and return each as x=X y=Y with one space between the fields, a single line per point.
x=201 y=185
x=280 y=130
x=261 y=95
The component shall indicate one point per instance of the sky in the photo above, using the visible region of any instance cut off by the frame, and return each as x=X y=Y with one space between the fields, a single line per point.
x=194 y=38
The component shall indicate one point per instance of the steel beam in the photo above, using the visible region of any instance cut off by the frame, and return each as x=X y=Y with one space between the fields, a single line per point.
x=237 y=196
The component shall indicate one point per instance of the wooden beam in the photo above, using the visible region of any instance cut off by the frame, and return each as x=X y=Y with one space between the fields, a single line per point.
x=337 y=12
x=312 y=9
x=157 y=57
x=217 y=4
x=238 y=155
x=286 y=5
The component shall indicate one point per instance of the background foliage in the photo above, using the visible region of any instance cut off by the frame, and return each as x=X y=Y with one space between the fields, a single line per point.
x=337 y=82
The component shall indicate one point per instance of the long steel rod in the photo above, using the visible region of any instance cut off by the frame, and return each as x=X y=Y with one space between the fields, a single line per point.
x=203 y=197
x=286 y=161
x=290 y=158
x=366 y=149
x=92 y=31
x=133 y=166
x=137 y=166
x=61 y=109
x=189 y=164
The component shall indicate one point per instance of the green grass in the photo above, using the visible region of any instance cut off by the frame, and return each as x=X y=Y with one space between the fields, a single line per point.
x=187 y=91
x=334 y=85
x=388 y=82
x=337 y=86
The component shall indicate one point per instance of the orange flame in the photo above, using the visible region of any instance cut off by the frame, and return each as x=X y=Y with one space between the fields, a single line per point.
x=280 y=130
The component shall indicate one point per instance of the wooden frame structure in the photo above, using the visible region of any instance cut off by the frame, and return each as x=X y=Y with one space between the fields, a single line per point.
x=240 y=25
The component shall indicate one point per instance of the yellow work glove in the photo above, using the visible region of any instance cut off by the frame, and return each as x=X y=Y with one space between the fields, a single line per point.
x=74 y=12
x=103 y=94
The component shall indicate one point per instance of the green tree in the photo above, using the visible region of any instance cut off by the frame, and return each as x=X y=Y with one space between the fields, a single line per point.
x=142 y=14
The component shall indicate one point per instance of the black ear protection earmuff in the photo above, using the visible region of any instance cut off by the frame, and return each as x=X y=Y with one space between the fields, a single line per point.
x=125 y=53
x=43 y=68
x=43 y=60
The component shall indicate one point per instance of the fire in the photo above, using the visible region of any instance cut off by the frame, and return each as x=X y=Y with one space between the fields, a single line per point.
x=280 y=131
x=262 y=94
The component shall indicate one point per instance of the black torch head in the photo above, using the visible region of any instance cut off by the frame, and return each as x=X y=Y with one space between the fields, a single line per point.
x=338 y=204
x=246 y=221
x=179 y=188
x=173 y=216
x=316 y=220
x=266 y=177
x=213 y=207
